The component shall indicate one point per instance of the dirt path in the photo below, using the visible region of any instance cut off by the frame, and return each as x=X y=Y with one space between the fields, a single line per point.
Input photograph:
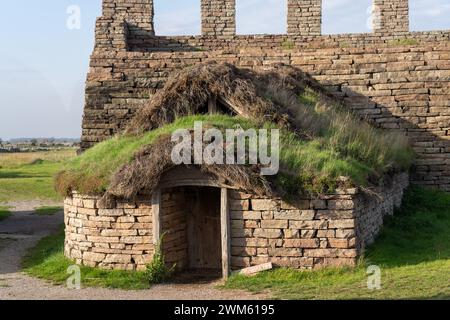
x=23 y=230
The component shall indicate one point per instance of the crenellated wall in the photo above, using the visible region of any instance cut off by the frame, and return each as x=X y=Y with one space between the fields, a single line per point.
x=391 y=15
x=218 y=17
x=394 y=78
x=304 y=17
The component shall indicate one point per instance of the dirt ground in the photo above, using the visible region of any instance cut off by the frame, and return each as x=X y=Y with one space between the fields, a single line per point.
x=23 y=230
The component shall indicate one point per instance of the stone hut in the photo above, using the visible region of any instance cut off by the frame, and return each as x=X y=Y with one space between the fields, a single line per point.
x=387 y=84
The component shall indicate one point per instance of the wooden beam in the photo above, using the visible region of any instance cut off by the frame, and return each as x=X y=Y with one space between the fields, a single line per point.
x=212 y=105
x=256 y=269
x=156 y=212
x=225 y=233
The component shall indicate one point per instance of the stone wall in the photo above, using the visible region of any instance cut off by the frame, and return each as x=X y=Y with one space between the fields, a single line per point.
x=396 y=79
x=397 y=87
x=304 y=17
x=218 y=17
x=119 y=238
x=391 y=15
x=330 y=230
x=134 y=15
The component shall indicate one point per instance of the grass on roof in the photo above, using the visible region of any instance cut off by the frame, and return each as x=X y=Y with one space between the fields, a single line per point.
x=349 y=148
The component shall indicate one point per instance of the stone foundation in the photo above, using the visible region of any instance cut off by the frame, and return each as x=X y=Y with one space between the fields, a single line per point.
x=331 y=230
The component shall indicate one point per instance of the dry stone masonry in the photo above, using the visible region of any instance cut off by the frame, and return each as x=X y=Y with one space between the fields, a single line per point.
x=218 y=17
x=304 y=17
x=397 y=79
x=118 y=238
x=391 y=15
x=331 y=230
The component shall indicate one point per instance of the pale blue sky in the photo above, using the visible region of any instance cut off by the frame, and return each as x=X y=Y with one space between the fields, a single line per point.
x=44 y=64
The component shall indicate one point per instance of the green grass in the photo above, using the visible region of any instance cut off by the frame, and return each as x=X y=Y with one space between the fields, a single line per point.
x=4 y=213
x=412 y=252
x=30 y=176
x=47 y=261
x=357 y=151
x=287 y=44
x=48 y=211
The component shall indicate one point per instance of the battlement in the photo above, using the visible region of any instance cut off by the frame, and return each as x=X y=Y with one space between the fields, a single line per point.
x=396 y=79
x=218 y=17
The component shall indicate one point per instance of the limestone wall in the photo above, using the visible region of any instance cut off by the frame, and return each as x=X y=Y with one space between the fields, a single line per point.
x=119 y=238
x=330 y=230
x=391 y=15
x=304 y=17
x=396 y=79
x=218 y=18
x=396 y=87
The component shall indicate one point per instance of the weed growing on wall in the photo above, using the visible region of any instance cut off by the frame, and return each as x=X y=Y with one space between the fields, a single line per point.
x=157 y=271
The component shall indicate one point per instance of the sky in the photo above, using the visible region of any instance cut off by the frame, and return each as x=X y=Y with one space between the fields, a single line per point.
x=44 y=53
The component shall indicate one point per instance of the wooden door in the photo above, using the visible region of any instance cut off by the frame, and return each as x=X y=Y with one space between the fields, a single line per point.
x=204 y=232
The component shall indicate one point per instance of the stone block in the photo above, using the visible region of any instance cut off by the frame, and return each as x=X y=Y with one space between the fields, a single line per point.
x=268 y=233
x=301 y=243
x=264 y=204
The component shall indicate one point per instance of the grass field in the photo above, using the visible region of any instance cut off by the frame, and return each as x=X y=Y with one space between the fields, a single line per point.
x=412 y=251
x=30 y=176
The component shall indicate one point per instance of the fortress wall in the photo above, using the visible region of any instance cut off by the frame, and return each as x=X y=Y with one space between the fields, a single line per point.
x=273 y=42
x=394 y=78
x=218 y=17
x=391 y=15
x=396 y=87
x=304 y=17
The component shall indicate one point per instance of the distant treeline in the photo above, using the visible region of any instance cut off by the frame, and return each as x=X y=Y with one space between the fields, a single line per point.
x=41 y=140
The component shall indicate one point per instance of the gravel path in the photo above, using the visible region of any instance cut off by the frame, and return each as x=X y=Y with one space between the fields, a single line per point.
x=23 y=230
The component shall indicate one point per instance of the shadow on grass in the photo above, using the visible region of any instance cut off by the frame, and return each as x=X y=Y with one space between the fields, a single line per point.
x=21 y=175
x=4 y=213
